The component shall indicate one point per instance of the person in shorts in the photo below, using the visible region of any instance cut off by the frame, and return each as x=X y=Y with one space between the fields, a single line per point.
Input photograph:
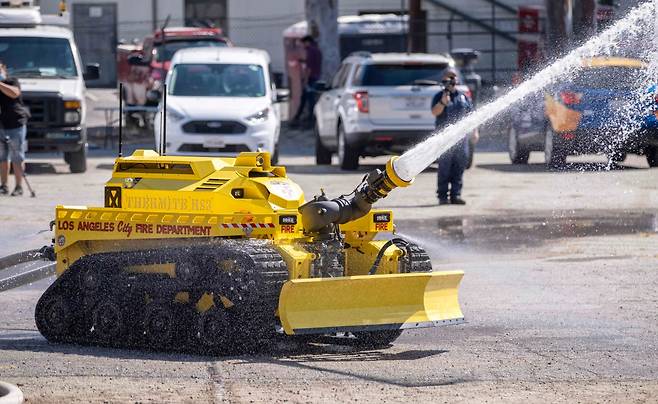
x=13 y=119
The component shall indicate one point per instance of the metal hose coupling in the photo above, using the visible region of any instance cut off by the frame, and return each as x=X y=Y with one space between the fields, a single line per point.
x=321 y=213
x=380 y=183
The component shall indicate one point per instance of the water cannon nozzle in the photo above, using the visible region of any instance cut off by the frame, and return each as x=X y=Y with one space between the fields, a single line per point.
x=319 y=214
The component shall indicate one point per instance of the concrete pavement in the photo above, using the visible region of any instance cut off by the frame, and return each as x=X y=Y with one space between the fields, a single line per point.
x=560 y=294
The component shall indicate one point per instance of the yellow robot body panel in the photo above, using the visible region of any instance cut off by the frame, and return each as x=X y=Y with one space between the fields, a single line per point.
x=154 y=201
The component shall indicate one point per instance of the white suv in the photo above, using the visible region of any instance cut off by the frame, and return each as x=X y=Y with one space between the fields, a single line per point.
x=220 y=101
x=377 y=104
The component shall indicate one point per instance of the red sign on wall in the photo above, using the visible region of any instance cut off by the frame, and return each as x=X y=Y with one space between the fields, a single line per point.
x=530 y=39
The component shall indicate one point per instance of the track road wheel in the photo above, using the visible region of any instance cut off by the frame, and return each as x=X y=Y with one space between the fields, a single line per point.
x=652 y=155
x=518 y=154
x=54 y=318
x=90 y=280
x=212 y=328
x=159 y=325
x=554 y=153
x=107 y=322
x=190 y=271
x=348 y=156
x=322 y=154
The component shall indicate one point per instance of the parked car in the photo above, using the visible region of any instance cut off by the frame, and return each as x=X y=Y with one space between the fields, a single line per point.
x=40 y=52
x=220 y=101
x=598 y=110
x=377 y=104
x=527 y=128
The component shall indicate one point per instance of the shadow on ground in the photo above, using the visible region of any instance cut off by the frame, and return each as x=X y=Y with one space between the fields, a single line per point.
x=288 y=350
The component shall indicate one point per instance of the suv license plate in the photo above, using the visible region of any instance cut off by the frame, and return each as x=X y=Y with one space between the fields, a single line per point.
x=414 y=102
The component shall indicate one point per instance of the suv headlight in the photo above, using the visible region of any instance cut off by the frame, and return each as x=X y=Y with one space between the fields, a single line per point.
x=174 y=115
x=258 y=117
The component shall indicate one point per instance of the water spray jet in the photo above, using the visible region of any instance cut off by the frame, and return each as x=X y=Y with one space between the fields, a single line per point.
x=415 y=160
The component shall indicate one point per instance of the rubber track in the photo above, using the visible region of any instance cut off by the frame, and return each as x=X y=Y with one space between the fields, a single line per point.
x=253 y=285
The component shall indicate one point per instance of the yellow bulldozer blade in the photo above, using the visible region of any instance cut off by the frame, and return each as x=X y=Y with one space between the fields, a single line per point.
x=370 y=302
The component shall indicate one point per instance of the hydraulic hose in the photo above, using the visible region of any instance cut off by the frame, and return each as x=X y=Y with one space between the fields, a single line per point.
x=399 y=243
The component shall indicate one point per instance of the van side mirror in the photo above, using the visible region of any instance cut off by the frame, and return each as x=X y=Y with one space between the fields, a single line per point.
x=282 y=95
x=92 y=72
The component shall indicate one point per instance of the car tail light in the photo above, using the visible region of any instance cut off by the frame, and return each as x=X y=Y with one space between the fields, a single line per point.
x=571 y=98
x=568 y=136
x=655 y=97
x=362 y=103
x=469 y=94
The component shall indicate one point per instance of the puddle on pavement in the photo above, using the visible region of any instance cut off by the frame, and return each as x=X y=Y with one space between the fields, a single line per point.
x=514 y=232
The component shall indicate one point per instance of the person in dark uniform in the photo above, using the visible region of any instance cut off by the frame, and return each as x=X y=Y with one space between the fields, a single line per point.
x=311 y=73
x=448 y=106
x=13 y=118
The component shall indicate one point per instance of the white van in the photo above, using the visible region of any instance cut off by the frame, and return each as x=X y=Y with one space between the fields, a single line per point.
x=46 y=63
x=220 y=101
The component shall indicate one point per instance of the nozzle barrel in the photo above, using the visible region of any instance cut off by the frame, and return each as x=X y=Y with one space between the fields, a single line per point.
x=319 y=214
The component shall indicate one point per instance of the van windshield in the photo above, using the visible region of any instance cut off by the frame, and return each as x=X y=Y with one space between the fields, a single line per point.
x=38 y=57
x=217 y=80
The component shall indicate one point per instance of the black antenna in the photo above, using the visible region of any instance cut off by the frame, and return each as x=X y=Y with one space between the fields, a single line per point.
x=120 y=119
x=164 y=120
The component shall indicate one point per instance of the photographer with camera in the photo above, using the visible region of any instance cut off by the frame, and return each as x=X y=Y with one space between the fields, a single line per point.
x=13 y=118
x=448 y=106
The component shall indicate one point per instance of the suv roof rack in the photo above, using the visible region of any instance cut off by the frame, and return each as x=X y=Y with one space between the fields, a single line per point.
x=365 y=54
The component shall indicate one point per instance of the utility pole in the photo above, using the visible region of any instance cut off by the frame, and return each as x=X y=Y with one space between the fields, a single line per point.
x=415 y=38
x=569 y=21
x=322 y=20
x=558 y=19
x=584 y=19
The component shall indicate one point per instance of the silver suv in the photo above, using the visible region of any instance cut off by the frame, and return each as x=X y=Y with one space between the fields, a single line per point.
x=377 y=104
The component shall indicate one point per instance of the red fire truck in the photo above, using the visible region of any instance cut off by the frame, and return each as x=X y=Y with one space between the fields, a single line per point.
x=142 y=67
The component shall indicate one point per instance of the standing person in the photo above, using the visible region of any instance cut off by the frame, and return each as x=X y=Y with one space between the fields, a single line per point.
x=448 y=106
x=13 y=117
x=311 y=73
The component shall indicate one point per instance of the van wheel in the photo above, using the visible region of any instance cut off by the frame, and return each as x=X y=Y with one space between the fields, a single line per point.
x=652 y=155
x=518 y=154
x=77 y=160
x=322 y=154
x=348 y=156
x=554 y=153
